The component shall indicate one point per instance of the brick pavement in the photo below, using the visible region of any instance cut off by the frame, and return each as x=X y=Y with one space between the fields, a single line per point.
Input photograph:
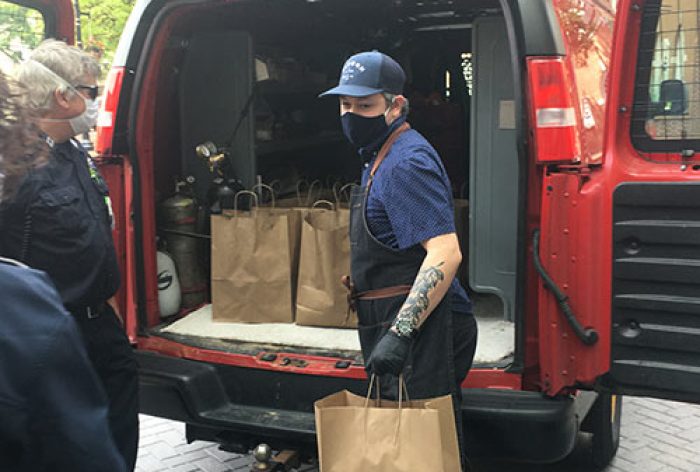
x=657 y=436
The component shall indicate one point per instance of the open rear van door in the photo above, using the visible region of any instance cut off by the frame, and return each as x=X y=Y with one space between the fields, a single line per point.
x=654 y=137
x=619 y=225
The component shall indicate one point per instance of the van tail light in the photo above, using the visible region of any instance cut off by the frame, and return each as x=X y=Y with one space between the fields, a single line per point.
x=108 y=111
x=553 y=114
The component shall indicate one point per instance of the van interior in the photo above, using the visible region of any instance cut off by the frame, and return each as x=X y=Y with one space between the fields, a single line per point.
x=245 y=76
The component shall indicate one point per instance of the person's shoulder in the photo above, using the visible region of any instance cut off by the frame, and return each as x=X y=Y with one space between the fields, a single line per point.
x=419 y=159
x=411 y=139
x=410 y=155
x=15 y=274
x=36 y=179
x=29 y=293
x=412 y=146
x=21 y=276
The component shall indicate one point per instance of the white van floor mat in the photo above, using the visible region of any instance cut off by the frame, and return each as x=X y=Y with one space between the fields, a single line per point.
x=496 y=337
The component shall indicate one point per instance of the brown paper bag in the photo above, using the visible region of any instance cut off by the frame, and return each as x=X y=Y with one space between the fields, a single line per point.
x=323 y=260
x=356 y=436
x=294 y=215
x=250 y=267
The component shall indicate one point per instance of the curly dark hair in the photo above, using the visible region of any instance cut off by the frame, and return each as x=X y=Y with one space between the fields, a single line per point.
x=21 y=149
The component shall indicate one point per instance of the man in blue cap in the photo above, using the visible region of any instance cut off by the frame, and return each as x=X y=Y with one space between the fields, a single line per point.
x=414 y=317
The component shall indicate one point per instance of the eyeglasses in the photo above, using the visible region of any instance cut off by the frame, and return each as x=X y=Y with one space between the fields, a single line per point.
x=93 y=90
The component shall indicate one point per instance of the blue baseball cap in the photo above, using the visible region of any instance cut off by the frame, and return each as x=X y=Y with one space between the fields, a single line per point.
x=368 y=73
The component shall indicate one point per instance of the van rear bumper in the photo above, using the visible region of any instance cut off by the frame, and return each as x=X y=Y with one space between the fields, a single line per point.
x=510 y=425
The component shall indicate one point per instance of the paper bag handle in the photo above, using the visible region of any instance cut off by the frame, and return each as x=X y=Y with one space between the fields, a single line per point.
x=268 y=188
x=377 y=402
x=339 y=192
x=300 y=182
x=244 y=192
x=324 y=202
x=309 y=198
x=402 y=390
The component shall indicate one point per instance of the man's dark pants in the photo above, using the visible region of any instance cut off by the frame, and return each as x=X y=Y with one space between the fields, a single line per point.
x=113 y=359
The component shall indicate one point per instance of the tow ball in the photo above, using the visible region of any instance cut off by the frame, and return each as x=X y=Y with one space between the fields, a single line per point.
x=282 y=462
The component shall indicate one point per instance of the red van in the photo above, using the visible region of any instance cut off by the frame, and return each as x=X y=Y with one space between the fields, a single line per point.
x=569 y=129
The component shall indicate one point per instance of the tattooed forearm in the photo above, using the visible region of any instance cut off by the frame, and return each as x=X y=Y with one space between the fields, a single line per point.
x=417 y=303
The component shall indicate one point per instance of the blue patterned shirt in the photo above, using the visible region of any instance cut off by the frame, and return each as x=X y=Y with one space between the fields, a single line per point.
x=411 y=201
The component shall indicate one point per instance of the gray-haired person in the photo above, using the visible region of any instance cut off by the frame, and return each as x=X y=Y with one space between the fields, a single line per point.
x=53 y=408
x=60 y=222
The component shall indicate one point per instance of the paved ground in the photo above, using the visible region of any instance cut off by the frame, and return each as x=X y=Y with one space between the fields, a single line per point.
x=656 y=436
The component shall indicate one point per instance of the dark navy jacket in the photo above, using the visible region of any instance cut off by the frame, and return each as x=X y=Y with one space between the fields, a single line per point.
x=59 y=223
x=53 y=411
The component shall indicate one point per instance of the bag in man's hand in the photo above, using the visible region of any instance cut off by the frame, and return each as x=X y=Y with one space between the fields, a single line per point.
x=355 y=434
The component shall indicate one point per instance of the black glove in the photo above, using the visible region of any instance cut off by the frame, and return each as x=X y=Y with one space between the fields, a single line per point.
x=390 y=354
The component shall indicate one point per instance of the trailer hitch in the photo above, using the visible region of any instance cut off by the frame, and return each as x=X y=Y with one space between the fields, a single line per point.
x=588 y=336
x=282 y=462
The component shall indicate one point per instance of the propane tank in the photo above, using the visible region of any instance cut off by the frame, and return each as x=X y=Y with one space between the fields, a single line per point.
x=222 y=193
x=180 y=214
x=169 y=295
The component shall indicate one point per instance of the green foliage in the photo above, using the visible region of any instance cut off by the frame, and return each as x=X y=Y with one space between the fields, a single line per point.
x=102 y=22
x=21 y=30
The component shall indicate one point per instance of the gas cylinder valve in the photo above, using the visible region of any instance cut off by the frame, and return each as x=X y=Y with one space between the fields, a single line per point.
x=213 y=156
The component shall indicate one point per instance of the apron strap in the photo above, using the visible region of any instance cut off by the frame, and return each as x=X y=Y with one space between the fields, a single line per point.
x=375 y=294
x=384 y=150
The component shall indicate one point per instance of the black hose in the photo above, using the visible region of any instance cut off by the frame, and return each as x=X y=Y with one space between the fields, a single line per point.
x=588 y=336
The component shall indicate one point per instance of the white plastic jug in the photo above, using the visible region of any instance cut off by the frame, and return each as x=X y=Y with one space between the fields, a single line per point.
x=169 y=295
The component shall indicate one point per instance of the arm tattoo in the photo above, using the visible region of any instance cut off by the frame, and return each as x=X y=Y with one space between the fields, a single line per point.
x=417 y=302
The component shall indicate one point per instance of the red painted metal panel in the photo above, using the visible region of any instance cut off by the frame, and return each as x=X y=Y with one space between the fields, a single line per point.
x=62 y=13
x=576 y=224
x=572 y=209
x=572 y=253
x=117 y=173
x=145 y=136
x=587 y=28
x=315 y=365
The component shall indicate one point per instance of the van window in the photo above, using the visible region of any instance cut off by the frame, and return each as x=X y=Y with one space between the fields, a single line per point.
x=21 y=30
x=666 y=114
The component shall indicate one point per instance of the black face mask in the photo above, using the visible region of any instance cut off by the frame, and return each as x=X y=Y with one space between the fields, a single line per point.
x=363 y=131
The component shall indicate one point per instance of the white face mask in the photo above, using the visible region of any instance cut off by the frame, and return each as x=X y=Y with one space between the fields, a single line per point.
x=87 y=119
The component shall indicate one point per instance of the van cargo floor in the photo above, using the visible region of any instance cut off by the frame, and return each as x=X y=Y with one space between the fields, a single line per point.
x=495 y=342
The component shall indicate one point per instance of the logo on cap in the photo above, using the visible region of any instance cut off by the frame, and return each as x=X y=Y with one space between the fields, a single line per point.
x=350 y=69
